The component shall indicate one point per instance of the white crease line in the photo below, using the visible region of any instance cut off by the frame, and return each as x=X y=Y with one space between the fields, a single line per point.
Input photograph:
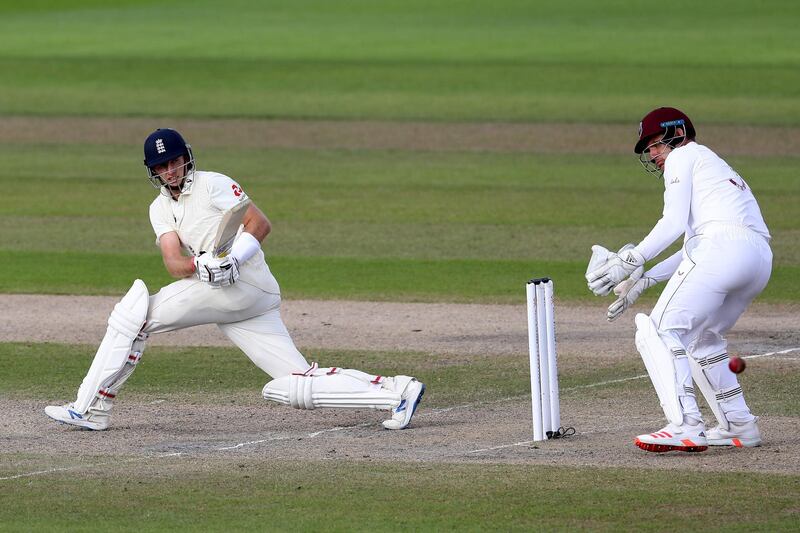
x=788 y=350
x=337 y=428
x=533 y=442
x=601 y=383
x=243 y=444
x=342 y=428
x=589 y=386
x=293 y=437
x=524 y=443
x=502 y=446
x=642 y=376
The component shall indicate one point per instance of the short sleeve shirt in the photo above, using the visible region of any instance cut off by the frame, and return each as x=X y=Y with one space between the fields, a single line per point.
x=197 y=212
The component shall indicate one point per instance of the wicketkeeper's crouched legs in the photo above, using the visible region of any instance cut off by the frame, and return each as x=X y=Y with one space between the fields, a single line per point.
x=668 y=366
x=114 y=362
x=347 y=388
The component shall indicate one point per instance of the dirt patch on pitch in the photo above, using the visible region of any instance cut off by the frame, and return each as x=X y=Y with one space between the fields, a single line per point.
x=437 y=328
x=493 y=433
x=146 y=429
x=543 y=138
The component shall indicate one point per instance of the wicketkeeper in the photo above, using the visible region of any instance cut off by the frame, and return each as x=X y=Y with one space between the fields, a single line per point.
x=210 y=235
x=725 y=262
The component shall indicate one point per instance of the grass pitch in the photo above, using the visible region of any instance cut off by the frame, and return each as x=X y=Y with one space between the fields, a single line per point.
x=512 y=60
x=197 y=486
x=363 y=224
x=394 y=225
x=389 y=497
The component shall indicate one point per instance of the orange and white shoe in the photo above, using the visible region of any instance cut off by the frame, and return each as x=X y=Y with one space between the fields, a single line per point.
x=683 y=438
x=740 y=434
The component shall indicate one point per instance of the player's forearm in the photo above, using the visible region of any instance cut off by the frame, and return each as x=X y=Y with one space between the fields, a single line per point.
x=256 y=228
x=180 y=267
x=666 y=268
x=257 y=224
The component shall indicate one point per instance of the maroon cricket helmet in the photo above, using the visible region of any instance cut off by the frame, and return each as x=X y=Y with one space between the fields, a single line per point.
x=658 y=121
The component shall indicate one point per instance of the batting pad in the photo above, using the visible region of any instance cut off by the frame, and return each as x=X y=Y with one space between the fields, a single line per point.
x=333 y=387
x=116 y=350
x=719 y=386
x=658 y=360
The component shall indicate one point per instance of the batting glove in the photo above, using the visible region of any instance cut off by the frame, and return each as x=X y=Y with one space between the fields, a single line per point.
x=226 y=272
x=202 y=269
x=217 y=272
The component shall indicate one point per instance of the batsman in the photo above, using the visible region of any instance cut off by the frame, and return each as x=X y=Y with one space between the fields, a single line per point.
x=210 y=233
x=724 y=263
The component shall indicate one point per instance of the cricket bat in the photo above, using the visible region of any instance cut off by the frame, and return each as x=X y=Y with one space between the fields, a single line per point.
x=228 y=228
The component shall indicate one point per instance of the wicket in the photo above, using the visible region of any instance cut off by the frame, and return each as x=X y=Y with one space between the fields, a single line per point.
x=544 y=368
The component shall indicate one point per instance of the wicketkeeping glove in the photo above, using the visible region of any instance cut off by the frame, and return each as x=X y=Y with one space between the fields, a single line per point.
x=599 y=259
x=628 y=292
x=626 y=263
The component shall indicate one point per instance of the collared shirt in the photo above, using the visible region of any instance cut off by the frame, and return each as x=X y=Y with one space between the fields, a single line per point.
x=197 y=212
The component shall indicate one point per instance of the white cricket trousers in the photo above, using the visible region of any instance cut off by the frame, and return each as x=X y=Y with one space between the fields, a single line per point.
x=249 y=316
x=723 y=269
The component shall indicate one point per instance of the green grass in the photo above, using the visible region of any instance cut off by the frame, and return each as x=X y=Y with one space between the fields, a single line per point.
x=515 y=60
x=212 y=493
x=448 y=280
x=374 y=496
x=377 y=225
x=52 y=371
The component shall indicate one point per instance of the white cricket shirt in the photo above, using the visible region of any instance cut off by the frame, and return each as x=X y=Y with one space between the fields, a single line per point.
x=196 y=215
x=700 y=188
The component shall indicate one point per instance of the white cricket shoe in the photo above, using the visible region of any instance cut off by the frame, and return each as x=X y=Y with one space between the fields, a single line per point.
x=410 y=398
x=683 y=438
x=96 y=420
x=740 y=434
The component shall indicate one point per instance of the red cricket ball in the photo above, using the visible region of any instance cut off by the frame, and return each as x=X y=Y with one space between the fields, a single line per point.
x=737 y=365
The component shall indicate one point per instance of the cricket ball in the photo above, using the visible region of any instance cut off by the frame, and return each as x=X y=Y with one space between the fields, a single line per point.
x=736 y=364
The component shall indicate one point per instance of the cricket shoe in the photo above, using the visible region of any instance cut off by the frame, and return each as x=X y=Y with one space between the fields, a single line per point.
x=740 y=434
x=95 y=420
x=683 y=438
x=409 y=400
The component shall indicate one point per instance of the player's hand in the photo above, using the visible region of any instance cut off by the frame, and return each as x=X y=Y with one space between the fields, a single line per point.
x=600 y=257
x=217 y=272
x=628 y=292
x=617 y=266
x=226 y=271
x=202 y=269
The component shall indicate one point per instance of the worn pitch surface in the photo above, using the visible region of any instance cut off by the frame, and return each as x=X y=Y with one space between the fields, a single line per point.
x=177 y=430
